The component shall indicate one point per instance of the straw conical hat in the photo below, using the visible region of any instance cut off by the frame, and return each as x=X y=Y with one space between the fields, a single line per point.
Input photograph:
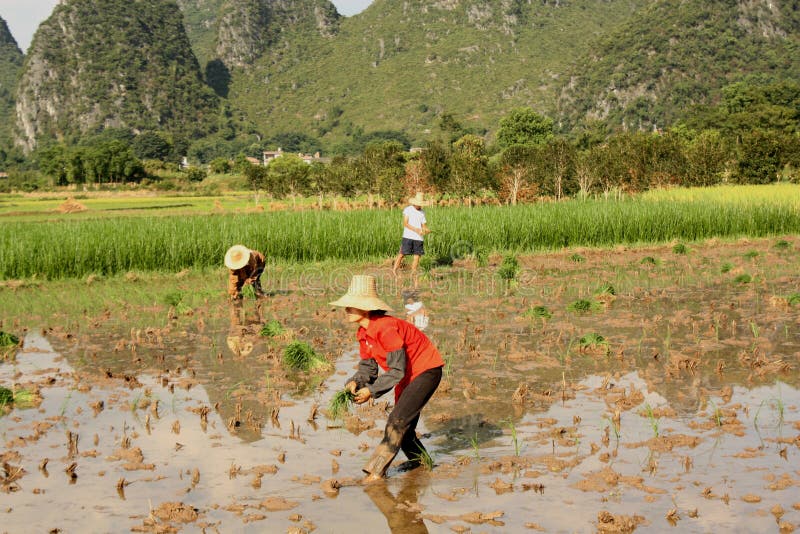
x=362 y=294
x=418 y=200
x=237 y=257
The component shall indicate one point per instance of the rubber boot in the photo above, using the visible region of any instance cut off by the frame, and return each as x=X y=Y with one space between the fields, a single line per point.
x=379 y=463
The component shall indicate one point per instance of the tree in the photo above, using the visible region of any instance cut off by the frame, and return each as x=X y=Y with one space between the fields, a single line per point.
x=469 y=172
x=523 y=126
x=559 y=164
x=383 y=164
x=256 y=177
x=151 y=145
x=435 y=160
x=287 y=175
x=518 y=165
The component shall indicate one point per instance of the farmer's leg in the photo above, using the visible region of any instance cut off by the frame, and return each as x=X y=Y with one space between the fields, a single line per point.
x=411 y=446
x=257 y=279
x=405 y=413
x=397 y=261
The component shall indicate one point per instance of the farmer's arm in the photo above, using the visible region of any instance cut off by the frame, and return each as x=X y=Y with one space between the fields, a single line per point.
x=233 y=284
x=396 y=361
x=366 y=373
x=255 y=266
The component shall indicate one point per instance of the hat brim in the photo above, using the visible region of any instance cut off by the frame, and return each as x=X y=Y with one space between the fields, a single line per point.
x=361 y=303
x=417 y=202
x=235 y=265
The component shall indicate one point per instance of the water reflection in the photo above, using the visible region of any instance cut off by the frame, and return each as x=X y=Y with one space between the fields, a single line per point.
x=401 y=511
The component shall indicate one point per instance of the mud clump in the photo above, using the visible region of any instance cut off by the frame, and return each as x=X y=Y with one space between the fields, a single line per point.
x=608 y=523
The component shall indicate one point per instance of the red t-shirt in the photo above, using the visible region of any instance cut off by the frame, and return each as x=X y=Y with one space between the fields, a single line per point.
x=386 y=334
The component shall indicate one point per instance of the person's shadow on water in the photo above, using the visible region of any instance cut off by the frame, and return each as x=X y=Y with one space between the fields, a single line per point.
x=400 y=511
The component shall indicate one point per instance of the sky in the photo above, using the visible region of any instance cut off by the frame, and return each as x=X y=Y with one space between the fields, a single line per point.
x=24 y=16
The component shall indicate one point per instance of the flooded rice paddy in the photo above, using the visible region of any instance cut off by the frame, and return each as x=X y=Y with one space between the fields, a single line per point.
x=670 y=401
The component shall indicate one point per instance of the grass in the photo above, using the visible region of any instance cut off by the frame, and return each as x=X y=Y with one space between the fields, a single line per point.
x=300 y=356
x=680 y=248
x=509 y=268
x=106 y=246
x=725 y=267
x=743 y=278
x=782 y=244
x=340 y=403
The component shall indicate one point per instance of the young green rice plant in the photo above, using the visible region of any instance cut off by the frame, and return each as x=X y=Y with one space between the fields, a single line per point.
x=538 y=312
x=447 y=370
x=583 y=306
x=649 y=260
x=793 y=299
x=340 y=404
x=605 y=289
x=6 y=396
x=272 y=328
x=509 y=268
x=725 y=267
x=680 y=248
x=751 y=254
x=24 y=397
x=514 y=438
x=475 y=446
x=577 y=258
x=426 y=263
x=173 y=298
x=718 y=417
x=592 y=340
x=248 y=292
x=653 y=420
x=8 y=344
x=425 y=460
x=743 y=278
x=300 y=356
x=782 y=244
x=481 y=256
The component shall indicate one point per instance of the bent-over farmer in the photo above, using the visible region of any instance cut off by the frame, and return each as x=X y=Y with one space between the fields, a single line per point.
x=412 y=365
x=245 y=267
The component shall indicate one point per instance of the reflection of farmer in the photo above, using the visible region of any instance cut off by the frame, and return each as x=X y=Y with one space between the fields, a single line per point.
x=412 y=365
x=399 y=516
x=414 y=228
x=246 y=267
x=239 y=339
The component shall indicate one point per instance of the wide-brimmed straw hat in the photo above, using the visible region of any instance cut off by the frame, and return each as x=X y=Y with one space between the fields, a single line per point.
x=419 y=200
x=362 y=294
x=237 y=257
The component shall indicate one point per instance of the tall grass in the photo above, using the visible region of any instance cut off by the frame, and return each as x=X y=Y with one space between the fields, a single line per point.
x=108 y=246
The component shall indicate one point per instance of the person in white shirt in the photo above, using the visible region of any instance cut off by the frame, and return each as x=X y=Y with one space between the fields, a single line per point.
x=414 y=229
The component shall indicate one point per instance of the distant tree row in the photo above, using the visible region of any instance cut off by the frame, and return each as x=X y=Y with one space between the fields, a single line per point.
x=751 y=136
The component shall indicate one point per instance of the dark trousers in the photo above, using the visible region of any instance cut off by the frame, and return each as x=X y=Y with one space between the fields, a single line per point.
x=401 y=425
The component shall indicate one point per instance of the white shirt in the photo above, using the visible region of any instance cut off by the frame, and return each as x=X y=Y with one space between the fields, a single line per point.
x=416 y=218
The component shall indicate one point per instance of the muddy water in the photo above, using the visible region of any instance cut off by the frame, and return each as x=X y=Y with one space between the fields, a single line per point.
x=686 y=414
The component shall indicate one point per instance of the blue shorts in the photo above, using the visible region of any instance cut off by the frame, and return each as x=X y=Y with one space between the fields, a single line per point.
x=411 y=247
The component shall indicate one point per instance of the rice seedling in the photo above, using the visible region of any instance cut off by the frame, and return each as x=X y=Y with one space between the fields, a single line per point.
x=743 y=278
x=300 y=356
x=782 y=244
x=751 y=254
x=24 y=397
x=447 y=370
x=425 y=460
x=273 y=328
x=592 y=340
x=473 y=441
x=652 y=419
x=248 y=292
x=514 y=438
x=680 y=248
x=577 y=258
x=8 y=344
x=481 y=256
x=793 y=299
x=6 y=396
x=173 y=298
x=538 y=312
x=509 y=268
x=583 y=306
x=606 y=289
x=725 y=267
x=718 y=419
x=649 y=260
x=340 y=404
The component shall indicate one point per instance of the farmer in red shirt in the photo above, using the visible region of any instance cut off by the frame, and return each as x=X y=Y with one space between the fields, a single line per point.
x=412 y=365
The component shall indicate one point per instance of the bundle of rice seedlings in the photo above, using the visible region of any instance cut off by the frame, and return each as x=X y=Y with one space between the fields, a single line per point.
x=6 y=396
x=606 y=289
x=173 y=298
x=341 y=403
x=272 y=329
x=248 y=291
x=583 y=305
x=793 y=299
x=593 y=341
x=300 y=355
x=8 y=344
x=538 y=312
x=577 y=258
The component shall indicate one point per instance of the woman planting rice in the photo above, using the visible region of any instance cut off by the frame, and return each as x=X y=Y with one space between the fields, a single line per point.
x=412 y=365
x=245 y=267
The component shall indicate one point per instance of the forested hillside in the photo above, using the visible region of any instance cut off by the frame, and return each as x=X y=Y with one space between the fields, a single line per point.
x=99 y=64
x=674 y=57
x=10 y=63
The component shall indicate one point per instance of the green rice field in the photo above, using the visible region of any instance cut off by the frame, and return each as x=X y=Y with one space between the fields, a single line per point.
x=169 y=242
